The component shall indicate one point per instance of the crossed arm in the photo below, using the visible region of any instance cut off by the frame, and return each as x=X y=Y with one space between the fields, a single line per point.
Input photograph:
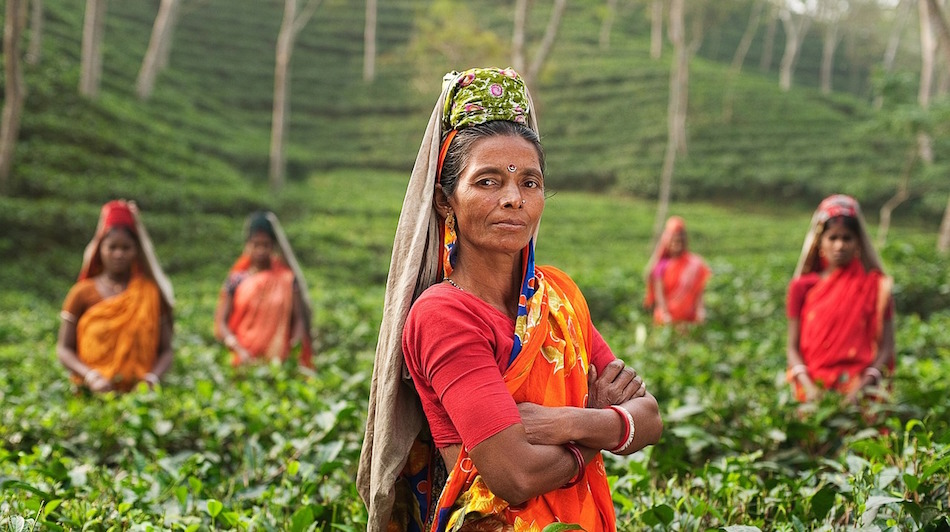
x=529 y=459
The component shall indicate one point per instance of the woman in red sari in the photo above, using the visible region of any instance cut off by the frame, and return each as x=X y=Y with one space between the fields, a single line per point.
x=513 y=392
x=839 y=308
x=263 y=309
x=116 y=326
x=675 y=278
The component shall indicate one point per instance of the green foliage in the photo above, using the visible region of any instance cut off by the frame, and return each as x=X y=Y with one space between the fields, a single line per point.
x=276 y=447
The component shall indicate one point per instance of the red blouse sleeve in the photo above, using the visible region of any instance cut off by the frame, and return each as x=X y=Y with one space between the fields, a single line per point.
x=797 y=289
x=452 y=353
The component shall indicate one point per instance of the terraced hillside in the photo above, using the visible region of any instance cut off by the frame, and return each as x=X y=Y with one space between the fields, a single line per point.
x=197 y=151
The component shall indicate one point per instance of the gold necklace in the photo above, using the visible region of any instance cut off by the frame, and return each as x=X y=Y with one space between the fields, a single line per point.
x=114 y=288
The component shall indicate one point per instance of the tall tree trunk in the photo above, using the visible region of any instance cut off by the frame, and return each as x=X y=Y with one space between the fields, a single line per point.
x=369 y=42
x=902 y=15
x=607 y=24
x=755 y=15
x=928 y=52
x=676 y=115
x=159 y=48
x=940 y=23
x=547 y=42
x=829 y=44
x=35 y=49
x=903 y=192
x=517 y=37
x=290 y=26
x=795 y=29
x=14 y=87
x=90 y=69
x=943 y=238
x=285 y=47
x=738 y=58
x=656 y=29
x=768 y=42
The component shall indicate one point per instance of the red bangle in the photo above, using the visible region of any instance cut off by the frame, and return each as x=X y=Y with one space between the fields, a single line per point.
x=579 y=458
x=628 y=431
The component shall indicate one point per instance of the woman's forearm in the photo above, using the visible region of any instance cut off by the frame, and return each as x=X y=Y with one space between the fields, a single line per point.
x=516 y=470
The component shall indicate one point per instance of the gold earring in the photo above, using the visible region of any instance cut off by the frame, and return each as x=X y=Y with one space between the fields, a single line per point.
x=450 y=221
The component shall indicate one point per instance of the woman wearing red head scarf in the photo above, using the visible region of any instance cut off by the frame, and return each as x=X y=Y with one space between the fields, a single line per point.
x=116 y=326
x=839 y=308
x=675 y=278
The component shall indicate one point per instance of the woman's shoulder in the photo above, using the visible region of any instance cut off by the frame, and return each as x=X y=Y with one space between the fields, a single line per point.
x=806 y=280
x=443 y=297
x=82 y=289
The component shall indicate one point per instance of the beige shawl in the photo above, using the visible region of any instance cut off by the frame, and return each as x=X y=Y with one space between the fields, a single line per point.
x=395 y=415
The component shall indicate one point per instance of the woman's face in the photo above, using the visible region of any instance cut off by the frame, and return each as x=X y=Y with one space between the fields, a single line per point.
x=499 y=197
x=839 y=245
x=677 y=244
x=259 y=247
x=118 y=251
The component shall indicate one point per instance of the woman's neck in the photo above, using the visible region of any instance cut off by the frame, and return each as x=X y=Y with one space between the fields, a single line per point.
x=496 y=282
x=117 y=277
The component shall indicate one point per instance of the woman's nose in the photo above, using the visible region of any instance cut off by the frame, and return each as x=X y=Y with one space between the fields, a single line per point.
x=513 y=199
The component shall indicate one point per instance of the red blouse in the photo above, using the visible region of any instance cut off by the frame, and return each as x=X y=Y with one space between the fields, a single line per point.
x=456 y=347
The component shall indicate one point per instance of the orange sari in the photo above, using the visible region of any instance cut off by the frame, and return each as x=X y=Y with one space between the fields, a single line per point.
x=119 y=336
x=551 y=370
x=841 y=322
x=262 y=311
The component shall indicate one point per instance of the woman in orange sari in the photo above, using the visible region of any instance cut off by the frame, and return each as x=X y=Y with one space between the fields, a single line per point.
x=116 y=328
x=675 y=278
x=839 y=308
x=513 y=392
x=263 y=309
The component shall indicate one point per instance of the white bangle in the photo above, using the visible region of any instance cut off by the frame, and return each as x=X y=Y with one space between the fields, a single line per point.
x=230 y=341
x=86 y=378
x=633 y=429
x=151 y=378
x=874 y=373
x=795 y=371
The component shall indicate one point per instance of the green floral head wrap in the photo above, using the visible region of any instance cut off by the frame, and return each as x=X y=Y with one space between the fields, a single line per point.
x=482 y=95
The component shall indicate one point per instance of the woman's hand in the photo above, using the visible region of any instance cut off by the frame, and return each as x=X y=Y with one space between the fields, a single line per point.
x=812 y=392
x=541 y=424
x=665 y=316
x=96 y=382
x=616 y=385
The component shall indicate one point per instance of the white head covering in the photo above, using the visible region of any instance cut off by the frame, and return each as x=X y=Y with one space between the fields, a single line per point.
x=395 y=415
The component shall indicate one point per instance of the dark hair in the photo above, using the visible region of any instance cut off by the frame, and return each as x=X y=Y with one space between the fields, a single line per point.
x=125 y=229
x=850 y=223
x=258 y=222
x=456 y=158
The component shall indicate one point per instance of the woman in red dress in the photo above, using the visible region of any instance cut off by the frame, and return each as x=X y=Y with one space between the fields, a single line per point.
x=839 y=308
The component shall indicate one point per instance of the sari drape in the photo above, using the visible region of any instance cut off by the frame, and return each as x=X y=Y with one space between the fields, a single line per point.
x=551 y=370
x=262 y=311
x=840 y=325
x=683 y=279
x=119 y=336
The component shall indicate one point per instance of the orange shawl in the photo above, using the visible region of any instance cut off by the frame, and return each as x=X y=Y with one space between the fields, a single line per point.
x=552 y=371
x=841 y=323
x=261 y=310
x=119 y=336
